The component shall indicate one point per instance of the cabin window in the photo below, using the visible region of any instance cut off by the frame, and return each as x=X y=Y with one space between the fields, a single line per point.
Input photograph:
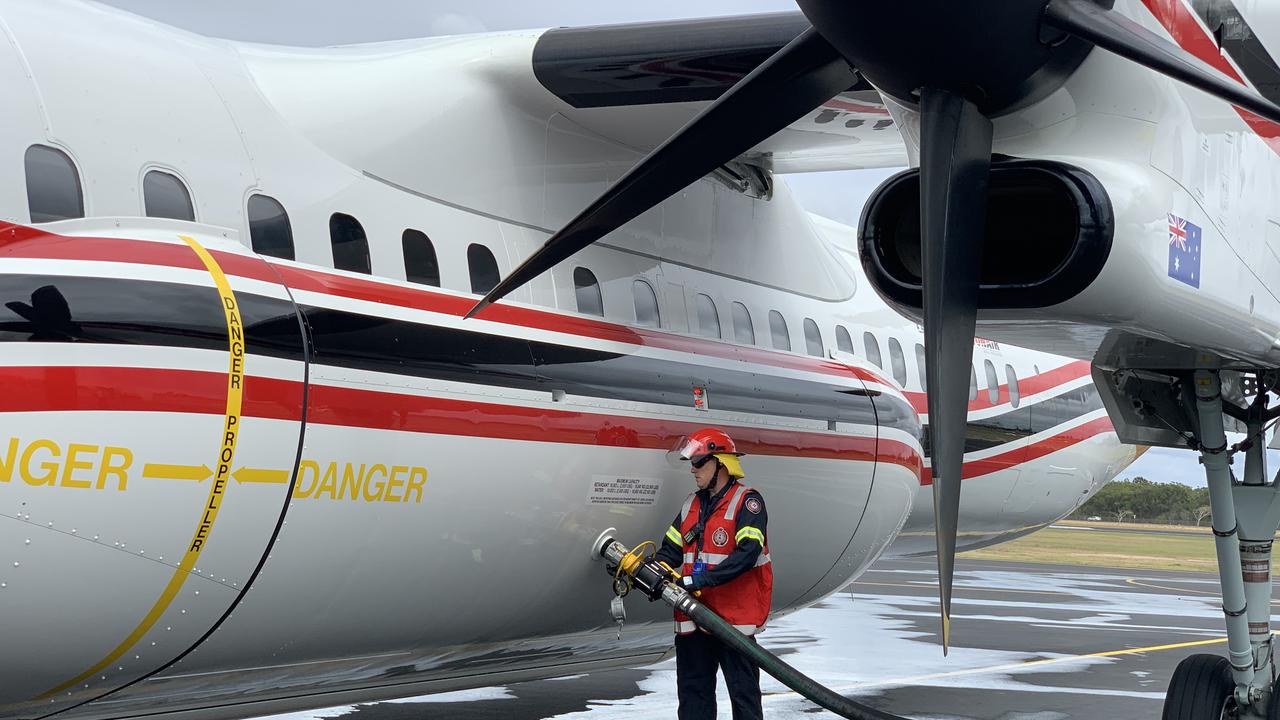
x=973 y=384
x=420 y=263
x=1012 y=378
x=898 y=362
x=53 y=185
x=646 y=304
x=708 y=318
x=872 y=347
x=590 y=301
x=349 y=243
x=269 y=229
x=844 y=343
x=924 y=382
x=993 y=383
x=813 y=338
x=483 y=268
x=778 y=331
x=743 y=332
x=164 y=196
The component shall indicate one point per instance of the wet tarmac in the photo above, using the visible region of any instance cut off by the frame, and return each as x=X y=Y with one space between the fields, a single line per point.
x=1029 y=642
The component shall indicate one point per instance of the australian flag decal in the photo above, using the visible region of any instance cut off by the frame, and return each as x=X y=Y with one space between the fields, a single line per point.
x=1184 y=251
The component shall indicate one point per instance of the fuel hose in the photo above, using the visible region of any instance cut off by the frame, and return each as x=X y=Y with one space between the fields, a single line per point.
x=655 y=580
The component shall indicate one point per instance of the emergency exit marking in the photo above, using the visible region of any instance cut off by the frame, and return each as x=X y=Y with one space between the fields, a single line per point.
x=611 y=490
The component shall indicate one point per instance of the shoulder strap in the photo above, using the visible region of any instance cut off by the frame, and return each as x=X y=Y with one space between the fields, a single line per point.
x=688 y=505
x=731 y=509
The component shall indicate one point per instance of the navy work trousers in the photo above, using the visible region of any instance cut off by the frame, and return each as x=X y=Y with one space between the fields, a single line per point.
x=697 y=657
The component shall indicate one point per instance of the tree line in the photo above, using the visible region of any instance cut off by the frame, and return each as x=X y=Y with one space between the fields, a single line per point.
x=1141 y=500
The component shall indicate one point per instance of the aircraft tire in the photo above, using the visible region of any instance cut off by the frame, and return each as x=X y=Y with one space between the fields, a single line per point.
x=1201 y=689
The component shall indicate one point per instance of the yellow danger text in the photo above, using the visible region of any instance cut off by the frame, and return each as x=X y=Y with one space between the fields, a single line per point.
x=45 y=462
x=360 y=483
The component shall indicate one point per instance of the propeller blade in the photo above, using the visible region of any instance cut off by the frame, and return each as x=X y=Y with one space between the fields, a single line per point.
x=955 y=159
x=802 y=75
x=1112 y=31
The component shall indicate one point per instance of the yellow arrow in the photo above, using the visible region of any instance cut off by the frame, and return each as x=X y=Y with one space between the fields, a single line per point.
x=199 y=473
x=260 y=475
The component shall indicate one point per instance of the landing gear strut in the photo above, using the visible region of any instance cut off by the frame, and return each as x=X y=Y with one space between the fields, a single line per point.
x=1246 y=515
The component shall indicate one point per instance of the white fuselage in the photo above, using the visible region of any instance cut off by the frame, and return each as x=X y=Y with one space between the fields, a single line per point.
x=293 y=480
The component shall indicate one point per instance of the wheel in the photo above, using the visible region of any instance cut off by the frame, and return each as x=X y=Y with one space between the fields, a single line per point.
x=1201 y=689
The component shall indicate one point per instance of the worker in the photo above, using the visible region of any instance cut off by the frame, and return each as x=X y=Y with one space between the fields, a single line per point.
x=718 y=542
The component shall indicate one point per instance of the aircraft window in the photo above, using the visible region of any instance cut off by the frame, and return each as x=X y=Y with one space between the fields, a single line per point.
x=646 y=304
x=778 y=329
x=844 y=343
x=420 y=263
x=993 y=383
x=350 y=245
x=53 y=185
x=483 y=268
x=164 y=196
x=924 y=382
x=873 y=349
x=708 y=318
x=743 y=332
x=1012 y=378
x=590 y=302
x=269 y=229
x=898 y=361
x=813 y=338
x=973 y=384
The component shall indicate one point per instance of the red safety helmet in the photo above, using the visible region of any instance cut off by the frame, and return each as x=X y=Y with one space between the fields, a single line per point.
x=702 y=444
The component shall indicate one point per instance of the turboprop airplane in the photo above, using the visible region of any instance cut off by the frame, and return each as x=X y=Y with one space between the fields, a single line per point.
x=258 y=460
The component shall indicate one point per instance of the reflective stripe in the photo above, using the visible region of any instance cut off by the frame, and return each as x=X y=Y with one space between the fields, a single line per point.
x=674 y=535
x=713 y=559
x=751 y=534
x=684 y=511
x=733 y=502
x=684 y=627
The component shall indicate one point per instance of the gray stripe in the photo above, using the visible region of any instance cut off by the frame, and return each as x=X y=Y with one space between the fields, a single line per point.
x=733 y=503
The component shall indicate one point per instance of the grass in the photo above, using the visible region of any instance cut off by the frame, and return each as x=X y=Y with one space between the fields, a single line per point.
x=1135 y=550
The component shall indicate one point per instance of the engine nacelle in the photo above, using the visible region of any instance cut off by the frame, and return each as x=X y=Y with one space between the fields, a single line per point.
x=1049 y=232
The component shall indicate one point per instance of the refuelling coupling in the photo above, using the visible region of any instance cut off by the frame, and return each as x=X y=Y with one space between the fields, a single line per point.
x=633 y=569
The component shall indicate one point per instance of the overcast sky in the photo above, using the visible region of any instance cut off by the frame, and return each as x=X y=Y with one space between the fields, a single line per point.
x=328 y=22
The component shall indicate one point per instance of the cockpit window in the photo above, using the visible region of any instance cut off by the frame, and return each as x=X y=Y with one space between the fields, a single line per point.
x=873 y=349
x=53 y=185
x=844 y=343
x=164 y=196
x=646 y=302
x=708 y=318
x=898 y=362
x=993 y=383
x=743 y=332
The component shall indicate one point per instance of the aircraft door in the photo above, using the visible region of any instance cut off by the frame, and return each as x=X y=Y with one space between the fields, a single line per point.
x=149 y=432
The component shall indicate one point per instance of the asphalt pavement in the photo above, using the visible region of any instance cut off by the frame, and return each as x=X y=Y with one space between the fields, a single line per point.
x=1029 y=641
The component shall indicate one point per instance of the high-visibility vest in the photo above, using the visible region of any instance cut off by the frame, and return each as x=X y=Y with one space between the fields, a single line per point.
x=743 y=601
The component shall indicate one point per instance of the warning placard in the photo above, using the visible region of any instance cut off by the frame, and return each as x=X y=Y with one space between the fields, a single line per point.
x=610 y=490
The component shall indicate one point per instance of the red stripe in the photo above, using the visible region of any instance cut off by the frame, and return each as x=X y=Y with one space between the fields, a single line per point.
x=24 y=242
x=1031 y=385
x=1038 y=449
x=58 y=389
x=1187 y=31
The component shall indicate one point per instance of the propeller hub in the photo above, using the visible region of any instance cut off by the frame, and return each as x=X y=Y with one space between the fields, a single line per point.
x=994 y=53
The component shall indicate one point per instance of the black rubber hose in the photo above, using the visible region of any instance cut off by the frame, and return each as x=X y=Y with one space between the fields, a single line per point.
x=772 y=664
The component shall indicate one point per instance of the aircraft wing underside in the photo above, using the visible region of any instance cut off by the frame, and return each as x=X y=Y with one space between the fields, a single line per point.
x=639 y=83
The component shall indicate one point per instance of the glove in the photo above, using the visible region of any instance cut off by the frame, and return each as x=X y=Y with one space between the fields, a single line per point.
x=691 y=582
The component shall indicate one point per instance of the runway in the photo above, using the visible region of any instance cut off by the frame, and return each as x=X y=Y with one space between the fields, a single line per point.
x=1033 y=642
